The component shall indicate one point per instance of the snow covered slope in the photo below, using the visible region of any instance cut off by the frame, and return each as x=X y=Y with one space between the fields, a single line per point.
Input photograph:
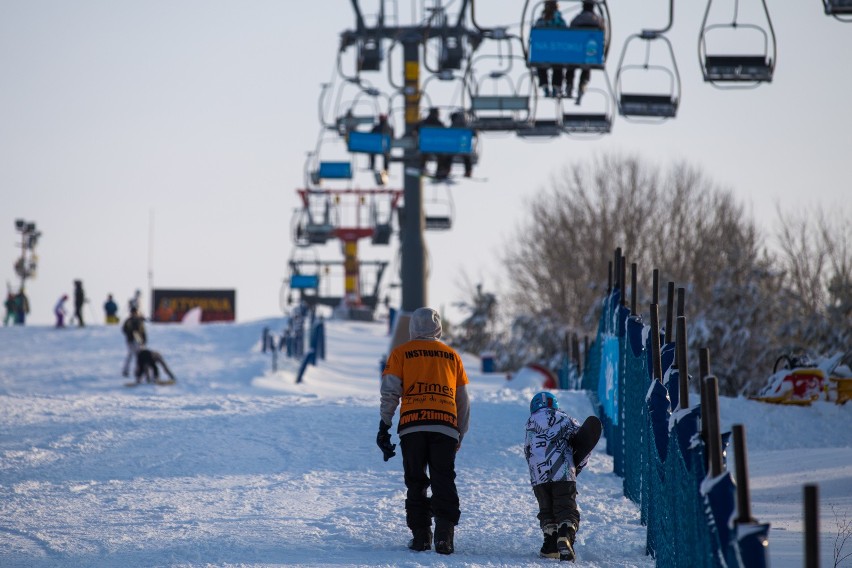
x=239 y=466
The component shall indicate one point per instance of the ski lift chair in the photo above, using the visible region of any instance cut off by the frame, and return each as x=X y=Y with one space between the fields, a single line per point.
x=596 y=122
x=838 y=8
x=369 y=54
x=648 y=105
x=754 y=68
x=496 y=102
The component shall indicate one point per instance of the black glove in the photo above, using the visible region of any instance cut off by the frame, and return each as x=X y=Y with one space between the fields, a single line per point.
x=383 y=440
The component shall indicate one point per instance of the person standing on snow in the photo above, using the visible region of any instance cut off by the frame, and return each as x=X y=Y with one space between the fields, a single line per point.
x=135 y=302
x=547 y=447
x=10 y=308
x=134 y=334
x=111 y=310
x=429 y=378
x=59 y=311
x=79 y=300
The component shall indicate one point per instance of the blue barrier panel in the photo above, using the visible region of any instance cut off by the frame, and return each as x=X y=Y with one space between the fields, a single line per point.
x=368 y=142
x=752 y=546
x=437 y=140
x=566 y=46
x=720 y=497
x=309 y=359
x=302 y=281
x=335 y=170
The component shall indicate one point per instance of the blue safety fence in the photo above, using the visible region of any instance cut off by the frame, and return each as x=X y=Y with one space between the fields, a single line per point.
x=291 y=341
x=661 y=457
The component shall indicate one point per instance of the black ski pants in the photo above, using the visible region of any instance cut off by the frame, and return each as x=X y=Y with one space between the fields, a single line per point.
x=437 y=452
x=557 y=503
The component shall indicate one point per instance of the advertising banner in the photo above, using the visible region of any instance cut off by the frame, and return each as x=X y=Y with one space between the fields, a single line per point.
x=215 y=305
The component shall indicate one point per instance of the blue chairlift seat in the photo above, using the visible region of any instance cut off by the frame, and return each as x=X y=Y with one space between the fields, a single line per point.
x=368 y=142
x=661 y=106
x=304 y=281
x=335 y=170
x=586 y=123
x=437 y=140
x=750 y=68
x=582 y=47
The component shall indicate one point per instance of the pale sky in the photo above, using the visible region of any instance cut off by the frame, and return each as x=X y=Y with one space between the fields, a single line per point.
x=198 y=114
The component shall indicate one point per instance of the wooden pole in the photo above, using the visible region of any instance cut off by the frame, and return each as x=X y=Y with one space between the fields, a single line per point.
x=811 y=526
x=741 y=457
x=616 y=265
x=682 y=367
x=715 y=445
x=703 y=373
x=633 y=288
x=656 y=361
x=624 y=281
x=575 y=348
x=681 y=301
x=655 y=286
x=670 y=313
x=609 y=278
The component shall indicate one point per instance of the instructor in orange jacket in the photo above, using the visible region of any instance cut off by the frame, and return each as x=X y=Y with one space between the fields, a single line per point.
x=429 y=378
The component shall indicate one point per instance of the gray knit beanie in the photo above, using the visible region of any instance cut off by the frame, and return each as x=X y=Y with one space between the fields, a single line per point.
x=425 y=323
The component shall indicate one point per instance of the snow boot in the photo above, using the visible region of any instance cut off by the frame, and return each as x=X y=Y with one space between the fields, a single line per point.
x=444 y=530
x=565 y=542
x=549 y=549
x=421 y=539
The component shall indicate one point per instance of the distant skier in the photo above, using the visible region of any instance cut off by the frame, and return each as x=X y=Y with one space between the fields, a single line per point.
x=21 y=306
x=134 y=334
x=79 y=300
x=135 y=302
x=59 y=311
x=146 y=366
x=9 y=304
x=429 y=377
x=547 y=447
x=111 y=310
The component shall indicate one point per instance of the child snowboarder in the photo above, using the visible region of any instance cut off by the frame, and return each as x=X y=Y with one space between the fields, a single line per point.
x=554 y=465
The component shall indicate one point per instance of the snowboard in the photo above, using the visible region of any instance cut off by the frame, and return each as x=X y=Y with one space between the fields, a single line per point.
x=157 y=382
x=585 y=440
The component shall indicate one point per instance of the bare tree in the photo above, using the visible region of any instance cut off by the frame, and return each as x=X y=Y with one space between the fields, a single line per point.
x=678 y=221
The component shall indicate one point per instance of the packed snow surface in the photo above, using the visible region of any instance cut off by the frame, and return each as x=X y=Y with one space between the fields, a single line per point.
x=237 y=465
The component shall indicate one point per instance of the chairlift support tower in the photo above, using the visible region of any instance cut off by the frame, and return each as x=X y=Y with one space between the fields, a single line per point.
x=413 y=246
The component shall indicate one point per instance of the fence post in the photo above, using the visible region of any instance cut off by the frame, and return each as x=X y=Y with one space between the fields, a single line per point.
x=575 y=348
x=616 y=266
x=715 y=443
x=624 y=280
x=655 y=286
x=741 y=457
x=609 y=278
x=656 y=361
x=811 y=526
x=703 y=373
x=670 y=313
x=682 y=367
x=633 y=288
x=681 y=301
